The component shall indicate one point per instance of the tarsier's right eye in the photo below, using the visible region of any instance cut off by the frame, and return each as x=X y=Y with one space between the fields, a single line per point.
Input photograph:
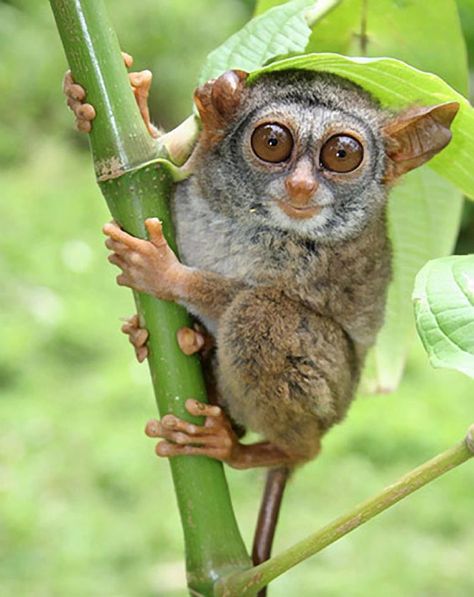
x=272 y=142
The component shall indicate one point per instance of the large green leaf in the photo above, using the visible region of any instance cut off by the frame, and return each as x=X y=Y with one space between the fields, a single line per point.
x=423 y=216
x=408 y=30
x=444 y=310
x=313 y=15
x=262 y=6
x=277 y=32
x=284 y=28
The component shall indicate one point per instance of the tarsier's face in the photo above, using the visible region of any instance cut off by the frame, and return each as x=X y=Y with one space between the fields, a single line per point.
x=304 y=156
x=311 y=154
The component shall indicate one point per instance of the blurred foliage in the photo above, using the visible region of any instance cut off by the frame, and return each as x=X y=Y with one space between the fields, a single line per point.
x=86 y=508
x=169 y=37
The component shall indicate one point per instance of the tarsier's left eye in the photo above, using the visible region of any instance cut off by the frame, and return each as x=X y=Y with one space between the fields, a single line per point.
x=272 y=142
x=341 y=153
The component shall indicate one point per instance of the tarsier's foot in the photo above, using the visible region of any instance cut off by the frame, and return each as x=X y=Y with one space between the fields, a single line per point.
x=189 y=340
x=85 y=113
x=215 y=439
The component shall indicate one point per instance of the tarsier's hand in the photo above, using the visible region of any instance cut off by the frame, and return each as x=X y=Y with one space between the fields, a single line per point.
x=147 y=265
x=138 y=337
x=85 y=113
x=189 y=340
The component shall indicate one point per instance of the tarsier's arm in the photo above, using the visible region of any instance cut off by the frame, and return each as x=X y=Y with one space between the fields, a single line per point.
x=152 y=267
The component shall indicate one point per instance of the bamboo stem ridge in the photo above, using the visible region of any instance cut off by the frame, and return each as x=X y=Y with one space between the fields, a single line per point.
x=248 y=582
x=137 y=185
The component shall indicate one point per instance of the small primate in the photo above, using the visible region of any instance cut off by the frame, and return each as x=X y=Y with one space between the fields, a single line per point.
x=285 y=258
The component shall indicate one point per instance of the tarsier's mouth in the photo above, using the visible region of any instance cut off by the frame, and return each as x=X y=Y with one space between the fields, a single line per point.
x=299 y=213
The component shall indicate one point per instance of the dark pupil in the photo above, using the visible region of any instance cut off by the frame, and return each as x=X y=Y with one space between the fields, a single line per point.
x=341 y=153
x=273 y=142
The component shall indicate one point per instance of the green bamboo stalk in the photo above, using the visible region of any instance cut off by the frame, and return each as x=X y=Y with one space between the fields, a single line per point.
x=136 y=185
x=246 y=583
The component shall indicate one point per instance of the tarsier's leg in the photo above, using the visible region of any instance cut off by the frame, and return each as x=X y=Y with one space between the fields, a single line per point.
x=85 y=113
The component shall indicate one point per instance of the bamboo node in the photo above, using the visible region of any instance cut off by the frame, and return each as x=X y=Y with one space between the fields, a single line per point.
x=109 y=168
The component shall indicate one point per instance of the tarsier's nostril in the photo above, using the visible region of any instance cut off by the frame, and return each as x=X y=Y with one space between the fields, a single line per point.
x=301 y=186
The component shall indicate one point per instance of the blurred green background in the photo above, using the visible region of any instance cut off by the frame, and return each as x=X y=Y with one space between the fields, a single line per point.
x=85 y=506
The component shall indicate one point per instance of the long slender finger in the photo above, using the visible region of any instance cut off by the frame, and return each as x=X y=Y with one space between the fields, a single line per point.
x=115 y=246
x=168 y=450
x=111 y=229
x=124 y=280
x=201 y=409
x=141 y=84
x=142 y=81
x=155 y=232
x=127 y=59
x=176 y=424
x=138 y=337
x=85 y=112
x=134 y=320
x=67 y=80
x=72 y=89
x=73 y=104
x=141 y=353
x=83 y=126
x=117 y=260
x=127 y=328
x=152 y=428
x=132 y=323
x=155 y=428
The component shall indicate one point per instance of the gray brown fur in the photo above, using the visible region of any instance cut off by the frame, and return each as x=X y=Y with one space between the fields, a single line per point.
x=303 y=301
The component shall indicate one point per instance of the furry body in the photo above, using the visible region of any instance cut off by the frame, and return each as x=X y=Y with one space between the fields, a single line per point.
x=308 y=297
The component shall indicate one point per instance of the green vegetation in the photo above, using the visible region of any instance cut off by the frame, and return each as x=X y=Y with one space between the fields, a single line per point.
x=86 y=508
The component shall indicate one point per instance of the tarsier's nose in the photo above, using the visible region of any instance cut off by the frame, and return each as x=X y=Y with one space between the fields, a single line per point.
x=301 y=184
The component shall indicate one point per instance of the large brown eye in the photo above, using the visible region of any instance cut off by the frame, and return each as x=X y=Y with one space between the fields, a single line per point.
x=272 y=142
x=342 y=153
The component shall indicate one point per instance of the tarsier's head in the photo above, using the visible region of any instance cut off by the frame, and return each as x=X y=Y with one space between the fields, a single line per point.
x=308 y=153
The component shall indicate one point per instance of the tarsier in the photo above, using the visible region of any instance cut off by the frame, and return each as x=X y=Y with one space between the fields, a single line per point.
x=282 y=234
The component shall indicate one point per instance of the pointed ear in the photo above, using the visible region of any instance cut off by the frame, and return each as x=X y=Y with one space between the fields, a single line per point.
x=415 y=136
x=217 y=102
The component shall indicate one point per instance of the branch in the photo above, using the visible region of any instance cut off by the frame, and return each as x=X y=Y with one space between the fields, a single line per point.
x=245 y=584
x=137 y=185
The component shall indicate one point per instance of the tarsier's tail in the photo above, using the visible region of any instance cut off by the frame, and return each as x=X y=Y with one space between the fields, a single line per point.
x=268 y=516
